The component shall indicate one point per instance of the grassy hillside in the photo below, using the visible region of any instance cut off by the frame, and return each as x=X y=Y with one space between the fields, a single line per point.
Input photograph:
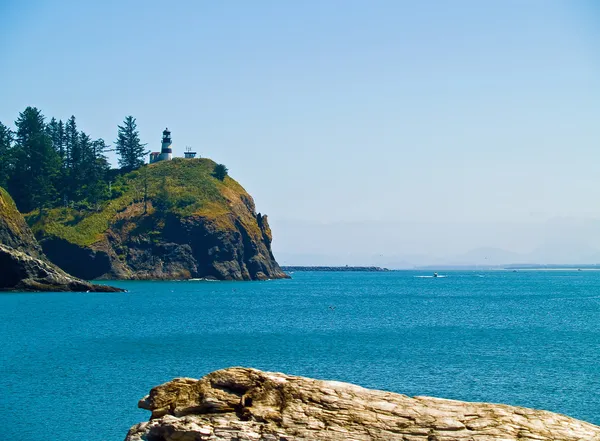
x=183 y=187
x=9 y=215
x=14 y=231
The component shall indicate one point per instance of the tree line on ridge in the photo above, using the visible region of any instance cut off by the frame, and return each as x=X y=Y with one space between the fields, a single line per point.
x=50 y=164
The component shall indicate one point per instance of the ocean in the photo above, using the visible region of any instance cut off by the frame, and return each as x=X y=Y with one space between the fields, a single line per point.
x=74 y=365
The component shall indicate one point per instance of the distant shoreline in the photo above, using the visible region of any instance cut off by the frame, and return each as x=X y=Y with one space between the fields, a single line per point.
x=376 y=269
x=562 y=268
x=369 y=269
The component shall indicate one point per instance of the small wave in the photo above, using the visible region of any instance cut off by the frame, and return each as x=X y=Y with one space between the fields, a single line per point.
x=430 y=277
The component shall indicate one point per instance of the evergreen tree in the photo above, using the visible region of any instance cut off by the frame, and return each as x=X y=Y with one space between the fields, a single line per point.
x=129 y=148
x=220 y=171
x=36 y=163
x=71 y=141
x=61 y=140
x=52 y=131
x=82 y=171
x=6 y=138
x=56 y=131
x=97 y=186
x=71 y=149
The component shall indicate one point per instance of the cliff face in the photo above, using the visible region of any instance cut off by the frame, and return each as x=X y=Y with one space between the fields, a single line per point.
x=23 y=266
x=14 y=232
x=170 y=220
x=246 y=404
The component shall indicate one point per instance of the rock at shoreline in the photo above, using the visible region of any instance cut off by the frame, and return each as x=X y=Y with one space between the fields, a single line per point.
x=242 y=404
x=23 y=266
x=168 y=220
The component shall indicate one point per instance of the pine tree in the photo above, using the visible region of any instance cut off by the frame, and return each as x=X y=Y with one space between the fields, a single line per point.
x=56 y=131
x=82 y=171
x=6 y=138
x=52 y=131
x=36 y=163
x=129 y=148
x=71 y=148
x=97 y=186
x=220 y=172
x=71 y=140
x=60 y=140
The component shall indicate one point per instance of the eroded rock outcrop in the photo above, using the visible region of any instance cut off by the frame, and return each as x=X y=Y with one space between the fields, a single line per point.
x=23 y=266
x=244 y=404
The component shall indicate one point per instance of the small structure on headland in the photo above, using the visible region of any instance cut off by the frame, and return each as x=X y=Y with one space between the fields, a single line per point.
x=189 y=154
x=166 y=152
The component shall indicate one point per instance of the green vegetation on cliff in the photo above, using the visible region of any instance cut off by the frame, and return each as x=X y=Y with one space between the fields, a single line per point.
x=9 y=215
x=178 y=219
x=23 y=266
x=167 y=220
x=49 y=164
x=182 y=187
x=14 y=232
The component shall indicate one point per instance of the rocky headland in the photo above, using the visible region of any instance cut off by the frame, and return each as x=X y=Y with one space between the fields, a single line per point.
x=241 y=404
x=23 y=265
x=167 y=220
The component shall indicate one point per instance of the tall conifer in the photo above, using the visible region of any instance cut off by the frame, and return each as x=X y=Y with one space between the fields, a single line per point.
x=97 y=187
x=36 y=163
x=6 y=138
x=129 y=147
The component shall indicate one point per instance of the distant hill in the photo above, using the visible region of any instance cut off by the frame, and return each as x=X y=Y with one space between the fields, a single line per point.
x=168 y=220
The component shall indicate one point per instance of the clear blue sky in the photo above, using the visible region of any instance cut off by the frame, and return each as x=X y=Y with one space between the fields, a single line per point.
x=330 y=111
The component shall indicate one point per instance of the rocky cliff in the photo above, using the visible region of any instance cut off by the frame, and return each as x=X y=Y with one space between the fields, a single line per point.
x=168 y=220
x=23 y=266
x=240 y=404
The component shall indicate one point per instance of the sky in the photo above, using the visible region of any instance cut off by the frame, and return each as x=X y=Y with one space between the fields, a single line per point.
x=368 y=131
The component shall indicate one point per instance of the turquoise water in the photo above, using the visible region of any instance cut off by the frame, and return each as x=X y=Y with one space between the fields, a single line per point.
x=74 y=365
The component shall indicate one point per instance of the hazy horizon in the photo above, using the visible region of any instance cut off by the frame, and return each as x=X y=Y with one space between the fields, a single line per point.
x=382 y=131
x=406 y=244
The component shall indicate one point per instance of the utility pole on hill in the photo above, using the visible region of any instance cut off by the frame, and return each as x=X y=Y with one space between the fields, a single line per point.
x=145 y=170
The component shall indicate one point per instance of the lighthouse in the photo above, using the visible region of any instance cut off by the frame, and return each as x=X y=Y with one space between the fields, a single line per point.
x=166 y=152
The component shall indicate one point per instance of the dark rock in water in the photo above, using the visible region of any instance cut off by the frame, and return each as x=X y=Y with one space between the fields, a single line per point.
x=190 y=226
x=23 y=266
x=241 y=404
x=21 y=272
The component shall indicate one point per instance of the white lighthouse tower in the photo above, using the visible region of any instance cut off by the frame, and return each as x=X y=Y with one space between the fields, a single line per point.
x=166 y=152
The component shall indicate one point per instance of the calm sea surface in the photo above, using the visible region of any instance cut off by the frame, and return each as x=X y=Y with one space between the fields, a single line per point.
x=73 y=366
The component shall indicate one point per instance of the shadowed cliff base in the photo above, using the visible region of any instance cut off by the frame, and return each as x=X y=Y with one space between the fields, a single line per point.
x=248 y=404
